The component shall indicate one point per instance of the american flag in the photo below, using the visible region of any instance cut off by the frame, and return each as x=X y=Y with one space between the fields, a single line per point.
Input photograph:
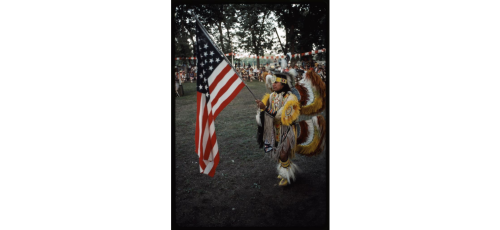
x=217 y=85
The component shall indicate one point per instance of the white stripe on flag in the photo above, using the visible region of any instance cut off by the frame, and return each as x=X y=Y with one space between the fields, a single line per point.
x=209 y=166
x=227 y=93
x=215 y=147
x=210 y=130
x=205 y=137
x=221 y=84
x=216 y=72
x=201 y=124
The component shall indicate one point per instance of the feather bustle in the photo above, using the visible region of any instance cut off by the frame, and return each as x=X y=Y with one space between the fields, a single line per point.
x=322 y=127
x=314 y=107
x=317 y=81
x=309 y=150
x=314 y=82
x=304 y=96
x=304 y=132
x=316 y=146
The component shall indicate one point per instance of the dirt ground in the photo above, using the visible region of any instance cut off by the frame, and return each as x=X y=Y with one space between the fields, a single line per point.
x=244 y=191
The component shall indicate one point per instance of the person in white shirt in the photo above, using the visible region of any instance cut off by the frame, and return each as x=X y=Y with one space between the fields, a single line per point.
x=256 y=73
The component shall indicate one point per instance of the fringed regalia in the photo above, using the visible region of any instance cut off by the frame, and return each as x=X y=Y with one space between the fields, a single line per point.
x=280 y=130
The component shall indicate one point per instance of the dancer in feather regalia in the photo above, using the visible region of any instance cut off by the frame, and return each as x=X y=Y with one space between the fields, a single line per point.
x=281 y=132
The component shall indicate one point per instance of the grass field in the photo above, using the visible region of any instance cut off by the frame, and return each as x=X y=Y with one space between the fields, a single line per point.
x=244 y=190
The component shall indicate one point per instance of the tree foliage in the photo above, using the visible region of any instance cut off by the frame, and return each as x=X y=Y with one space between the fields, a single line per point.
x=249 y=28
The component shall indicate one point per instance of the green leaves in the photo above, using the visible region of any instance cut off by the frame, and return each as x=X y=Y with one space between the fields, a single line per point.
x=248 y=28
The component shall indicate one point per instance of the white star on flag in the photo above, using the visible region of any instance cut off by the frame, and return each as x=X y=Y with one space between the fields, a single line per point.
x=211 y=52
x=210 y=68
x=206 y=46
x=201 y=87
x=217 y=59
x=211 y=60
x=205 y=53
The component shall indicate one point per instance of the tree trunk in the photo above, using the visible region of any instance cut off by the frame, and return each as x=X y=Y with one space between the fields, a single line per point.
x=261 y=30
x=292 y=39
x=219 y=25
x=258 y=59
x=258 y=41
x=193 y=43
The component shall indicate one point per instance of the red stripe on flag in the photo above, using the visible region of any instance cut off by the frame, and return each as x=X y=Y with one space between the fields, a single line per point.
x=197 y=132
x=229 y=99
x=208 y=145
x=224 y=89
x=206 y=138
x=206 y=128
x=211 y=138
x=202 y=164
x=219 y=77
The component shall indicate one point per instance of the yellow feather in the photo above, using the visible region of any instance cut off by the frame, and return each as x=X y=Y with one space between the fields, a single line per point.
x=309 y=150
x=313 y=107
x=294 y=105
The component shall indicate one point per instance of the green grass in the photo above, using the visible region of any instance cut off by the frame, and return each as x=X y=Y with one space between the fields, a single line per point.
x=235 y=126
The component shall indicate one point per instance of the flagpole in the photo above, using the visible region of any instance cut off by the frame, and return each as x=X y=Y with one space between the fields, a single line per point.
x=220 y=52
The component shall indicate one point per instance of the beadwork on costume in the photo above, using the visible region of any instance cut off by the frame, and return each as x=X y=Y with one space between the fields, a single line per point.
x=281 y=132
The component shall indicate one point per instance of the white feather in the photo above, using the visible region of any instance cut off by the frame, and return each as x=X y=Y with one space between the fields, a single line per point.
x=315 y=121
x=306 y=83
x=269 y=82
x=288 y=173
x=310 y=131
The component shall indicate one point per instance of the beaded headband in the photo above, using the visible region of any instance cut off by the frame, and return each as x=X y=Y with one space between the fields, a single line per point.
x=279 y=79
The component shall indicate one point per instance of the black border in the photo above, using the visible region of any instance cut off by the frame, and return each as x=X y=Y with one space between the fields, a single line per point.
x=327 y=110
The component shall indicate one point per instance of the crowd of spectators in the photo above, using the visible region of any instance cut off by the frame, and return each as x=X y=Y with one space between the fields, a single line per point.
x=254 y=74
